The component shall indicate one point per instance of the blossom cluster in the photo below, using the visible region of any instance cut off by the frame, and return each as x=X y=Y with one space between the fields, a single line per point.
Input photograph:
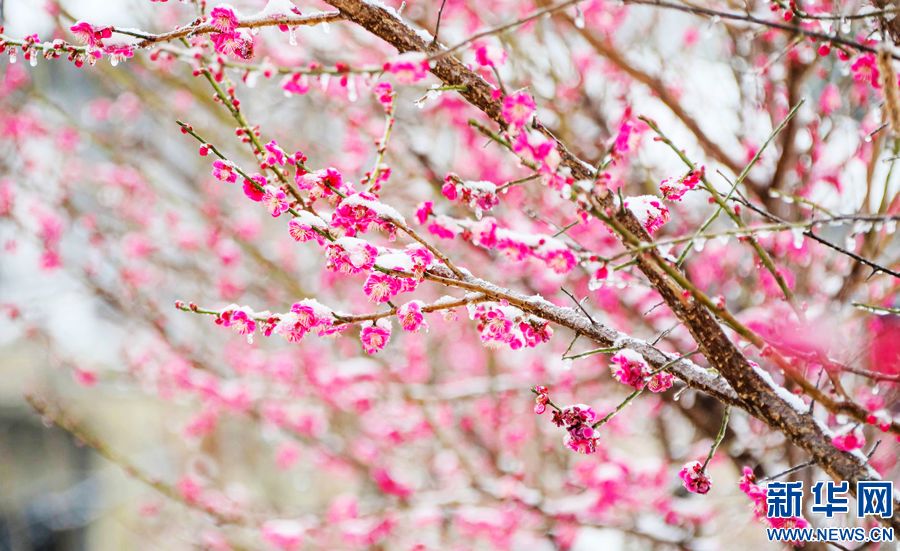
x=578 y=420
x=499 y=323
x=488 y=234
x=480 y=195
x=630 y=368
x=229 y=40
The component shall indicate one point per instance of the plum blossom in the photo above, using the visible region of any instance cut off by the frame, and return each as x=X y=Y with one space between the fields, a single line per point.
x=223 y=18
x=411 y=316
x=541 y=399
x=865 y=70
x=489 y=55
x=649 y=210
x=578 y=419
x=224 y=171
x=350 y=255
x=237 y=44
x=695 y=478
x=480 y=195
x=630 y=368
x=409 y=67
x=674 y=190
x=381 y=287
x=276 y=155
x=91 y=36
x=375 y=335
x=275 y=200
x=239 y=318
x=518 y=108
x=307 y=227
x=849 y=439
x=389 y=485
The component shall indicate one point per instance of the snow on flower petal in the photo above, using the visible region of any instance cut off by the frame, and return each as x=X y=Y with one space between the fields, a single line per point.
x=375 y=335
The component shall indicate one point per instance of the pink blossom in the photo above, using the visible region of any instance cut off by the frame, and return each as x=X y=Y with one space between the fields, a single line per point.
x=255 y=189
x=850 y=439
x=660 y=382
x=649 y=210
x=385 y=94
x=239 y=318
x=375 y=335
x=409 y=67
x=275 y=200
x=237 y=44
x=224 y=171
x=629 y=368
x=489 y=55
x=695 y=478
x=411 y=316
x=350 y=255
x=675 y=190
x=223 y=18
x=518 y=108
x=424 y=210
x=89 y=35
x=580 y=434
x=297 y=83
x=303 y=229
x=865 y=69
x=381 y=287
x=276 y=155
x=561 y=261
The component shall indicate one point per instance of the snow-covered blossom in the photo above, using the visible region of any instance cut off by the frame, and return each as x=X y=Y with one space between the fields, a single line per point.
x=411 y=316
x=375 y=335
x=237 y=44
x=630 y=368
x=275 y=200
x=518 y=108
x=479 y=195
x=649 y=210
x=356 y=212
x=307 y=227
x=408 y=67
x=322 y=183
x=578 y=419
x=674 y=190
x=695 y=478
x=239 y=318
x=350 y=255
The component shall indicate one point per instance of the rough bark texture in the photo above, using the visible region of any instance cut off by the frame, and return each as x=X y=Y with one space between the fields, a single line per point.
x=754 y=394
